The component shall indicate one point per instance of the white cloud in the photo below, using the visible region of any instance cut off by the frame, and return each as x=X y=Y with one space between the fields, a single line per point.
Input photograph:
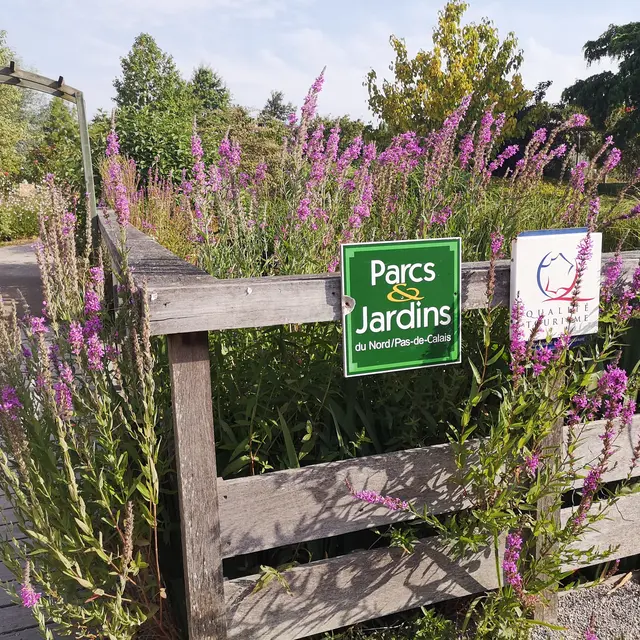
x=541 y=63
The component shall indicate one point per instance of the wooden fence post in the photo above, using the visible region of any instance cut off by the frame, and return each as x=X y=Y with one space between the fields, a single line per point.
x=197 y=485
x=548 y=612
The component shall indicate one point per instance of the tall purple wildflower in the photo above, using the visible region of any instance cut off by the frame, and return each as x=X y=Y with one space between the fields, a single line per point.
x=91 y=302
x=113 y=144
x=76 y=338
x=331 y=150
x=311 y=99
x=609 y=399
x=613 y=159
x=509 y=152
x=578 y=176
x=9 y=402
x=518 y=340
x=577 y=120
x=351 y=153
x=510 y=562
x=440 y=146
x=38 y=325
x=29 y=596
x=64 y=401
x=466 y=150
x=95 y=352
x=610 y=282
x=373 y=497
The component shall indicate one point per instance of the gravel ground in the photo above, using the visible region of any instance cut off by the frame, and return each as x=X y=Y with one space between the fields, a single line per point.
x=616 y=613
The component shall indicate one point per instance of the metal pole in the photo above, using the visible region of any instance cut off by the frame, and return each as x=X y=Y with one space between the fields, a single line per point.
x=87 y=163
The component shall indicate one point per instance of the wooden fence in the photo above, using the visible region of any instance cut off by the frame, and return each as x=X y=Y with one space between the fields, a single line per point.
x=225 y=518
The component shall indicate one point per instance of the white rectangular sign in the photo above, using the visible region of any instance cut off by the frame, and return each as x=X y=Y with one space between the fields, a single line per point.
x=544 y=276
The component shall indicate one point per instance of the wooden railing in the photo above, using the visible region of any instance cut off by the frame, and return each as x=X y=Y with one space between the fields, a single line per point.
x=226 y=518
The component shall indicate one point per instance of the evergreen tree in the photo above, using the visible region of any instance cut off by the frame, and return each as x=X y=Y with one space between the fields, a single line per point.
x=209 y=89
x=275 y=107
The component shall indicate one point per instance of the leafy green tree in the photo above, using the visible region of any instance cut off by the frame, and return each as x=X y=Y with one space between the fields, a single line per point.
x=13 y=123
x=56 y=148
x=612 y=100
x=149 y=76
x=275 y=107
x=464 y=59
x=156 y=108
x=209 y=89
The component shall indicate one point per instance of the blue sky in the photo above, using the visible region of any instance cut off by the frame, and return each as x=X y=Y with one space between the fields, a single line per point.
x=259 y=45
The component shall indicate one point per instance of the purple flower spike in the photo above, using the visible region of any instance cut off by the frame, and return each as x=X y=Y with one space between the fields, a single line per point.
x=29 y=596
x=373 y=497
x=38 y=325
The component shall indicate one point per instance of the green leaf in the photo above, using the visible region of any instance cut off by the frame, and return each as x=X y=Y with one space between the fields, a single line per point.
x=294 y=463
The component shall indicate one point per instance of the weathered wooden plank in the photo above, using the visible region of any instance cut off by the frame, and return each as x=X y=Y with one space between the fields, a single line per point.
x=32 y=633
x=368 y=584
x=182 y=298
x=16 y=618
x=620 y=527
x=360 y=586
x=286 y=507
x=5 y=598
x=197 y=487
x=29 y=80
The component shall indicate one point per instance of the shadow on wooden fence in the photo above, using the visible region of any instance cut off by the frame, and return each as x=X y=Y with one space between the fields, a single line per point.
x=226 y=518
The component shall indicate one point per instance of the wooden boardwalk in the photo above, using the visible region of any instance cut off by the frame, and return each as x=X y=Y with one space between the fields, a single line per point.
x=16 y=622
x=20 y=283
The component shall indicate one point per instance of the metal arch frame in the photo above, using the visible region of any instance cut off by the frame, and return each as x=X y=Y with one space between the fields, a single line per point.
x=14 y=76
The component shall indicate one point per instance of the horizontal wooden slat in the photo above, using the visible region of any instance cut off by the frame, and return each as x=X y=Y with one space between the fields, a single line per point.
x=286 y=507
x=314 y=502
x=360 y=586
x=620 y=526
x=16 y=618
x=182 y=298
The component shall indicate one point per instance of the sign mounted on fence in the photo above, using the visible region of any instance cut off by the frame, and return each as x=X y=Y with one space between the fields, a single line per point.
x=544 y=274
x=401 y=305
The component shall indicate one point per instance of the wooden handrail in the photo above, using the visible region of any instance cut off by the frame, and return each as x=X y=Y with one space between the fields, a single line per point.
x=183 y=298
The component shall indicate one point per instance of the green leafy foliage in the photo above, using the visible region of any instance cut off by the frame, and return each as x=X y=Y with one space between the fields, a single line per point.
x=84 y=448
x=464 y=60
x=19 y=207
x=13 y=124
x=56 y=147
x=612 y=99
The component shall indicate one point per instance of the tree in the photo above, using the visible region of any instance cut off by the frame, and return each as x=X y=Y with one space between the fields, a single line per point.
x=464 y=59
x=209 y=89
x=275 y=107
x=13 y=123
x=149 y=76
x=156 y=109
x=612 y=100
x=56 y=148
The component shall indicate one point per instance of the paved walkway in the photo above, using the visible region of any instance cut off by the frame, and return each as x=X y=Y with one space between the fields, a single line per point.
x=20 y=278
x=20 y=282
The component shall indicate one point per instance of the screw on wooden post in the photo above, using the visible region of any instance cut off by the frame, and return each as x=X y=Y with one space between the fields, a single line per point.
x=197 y=485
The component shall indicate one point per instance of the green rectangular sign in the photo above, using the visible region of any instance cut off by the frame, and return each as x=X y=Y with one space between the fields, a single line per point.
x=401 y=305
